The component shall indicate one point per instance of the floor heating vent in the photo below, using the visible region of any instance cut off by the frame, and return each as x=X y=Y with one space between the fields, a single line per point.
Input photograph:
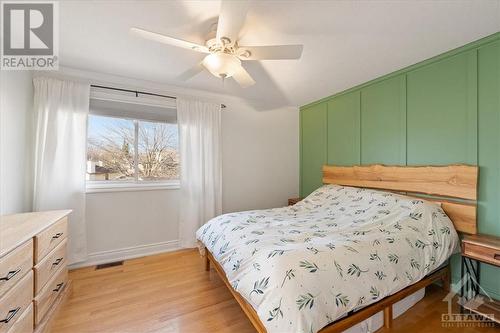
x=109 y=264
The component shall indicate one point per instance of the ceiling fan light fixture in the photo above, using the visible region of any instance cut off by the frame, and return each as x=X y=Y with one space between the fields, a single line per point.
x=222 y=65
x=224 y=52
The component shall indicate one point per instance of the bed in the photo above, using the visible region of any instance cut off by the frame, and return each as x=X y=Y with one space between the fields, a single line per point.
x=348 y=250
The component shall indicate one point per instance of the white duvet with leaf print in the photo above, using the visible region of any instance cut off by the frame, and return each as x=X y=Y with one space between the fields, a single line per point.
x=340 y=249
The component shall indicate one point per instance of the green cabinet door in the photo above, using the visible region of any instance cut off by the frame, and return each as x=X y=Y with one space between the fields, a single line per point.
x=442 y=112
x=489 y=154
x=343 y=129
x=312 y=147
x=383 y=122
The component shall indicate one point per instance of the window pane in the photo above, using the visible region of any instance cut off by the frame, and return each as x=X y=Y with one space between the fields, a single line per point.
x=110 y=149
x=158 y=151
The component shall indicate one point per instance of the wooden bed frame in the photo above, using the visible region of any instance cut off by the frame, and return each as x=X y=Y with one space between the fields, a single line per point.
x=453 y=186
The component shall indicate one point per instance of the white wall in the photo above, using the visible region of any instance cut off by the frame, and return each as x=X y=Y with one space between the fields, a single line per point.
x=16 y=121
x=125 y=220
x=260 y=157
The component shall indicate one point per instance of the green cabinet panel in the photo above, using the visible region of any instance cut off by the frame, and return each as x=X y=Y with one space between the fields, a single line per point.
x=489 y=152
x=383 y=122
x=313 y=147
x=489 y=138
x=344 y=129
x=442 y=112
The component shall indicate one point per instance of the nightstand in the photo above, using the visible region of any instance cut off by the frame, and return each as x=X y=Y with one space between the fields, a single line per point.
x=293 y=201
x=478 y=249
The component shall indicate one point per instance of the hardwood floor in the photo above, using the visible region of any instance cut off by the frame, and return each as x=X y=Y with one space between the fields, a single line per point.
x=173 y=293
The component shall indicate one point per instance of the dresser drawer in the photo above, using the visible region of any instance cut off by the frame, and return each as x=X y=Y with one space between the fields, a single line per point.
x=24 y=323
x=483 y=253
x=15 y=301
x=49 y=265
x=48 y=239
x=49 y=293
x=15 y=265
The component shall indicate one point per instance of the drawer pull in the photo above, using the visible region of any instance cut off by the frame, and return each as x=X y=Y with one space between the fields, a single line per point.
x=57 y=261
x=10 y=275
x=497 y=256
x=56 y=236
x=12 y=313
x=58 y=287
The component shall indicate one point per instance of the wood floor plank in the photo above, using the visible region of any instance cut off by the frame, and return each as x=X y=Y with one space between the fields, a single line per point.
x=172 y=293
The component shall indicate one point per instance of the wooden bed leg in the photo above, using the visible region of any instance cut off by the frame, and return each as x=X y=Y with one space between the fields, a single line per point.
x=388 y=316
x=447 y=279
x=207 y=263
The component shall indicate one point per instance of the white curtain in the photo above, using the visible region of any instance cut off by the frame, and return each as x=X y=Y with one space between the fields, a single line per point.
x=201 y=166
x=61 y=110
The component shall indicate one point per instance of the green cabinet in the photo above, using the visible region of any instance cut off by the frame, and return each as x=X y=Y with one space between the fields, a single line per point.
x=383 y=122
x=313 y=147
x=343 y=129
x=442 y=111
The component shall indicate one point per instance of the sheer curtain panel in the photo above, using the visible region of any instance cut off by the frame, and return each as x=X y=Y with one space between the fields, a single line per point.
x=201 y=166
x=61 y=110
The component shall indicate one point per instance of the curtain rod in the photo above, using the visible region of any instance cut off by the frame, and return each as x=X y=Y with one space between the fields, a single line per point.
x=139 y=92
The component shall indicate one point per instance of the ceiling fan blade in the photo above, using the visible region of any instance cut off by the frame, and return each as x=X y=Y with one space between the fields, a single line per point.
x=243 y=78
x=168 y=40
x=231 y=19
x=193 y=71
x=272 y=52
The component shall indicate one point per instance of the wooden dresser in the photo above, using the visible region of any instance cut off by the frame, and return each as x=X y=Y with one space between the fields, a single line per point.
x=33 y=269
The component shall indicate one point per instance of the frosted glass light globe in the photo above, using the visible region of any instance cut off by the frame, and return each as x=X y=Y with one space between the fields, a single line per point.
x=222 y=64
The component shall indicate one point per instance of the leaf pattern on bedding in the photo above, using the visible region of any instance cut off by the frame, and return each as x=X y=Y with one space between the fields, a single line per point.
x=290 y=274
x=341 y=299
x=311 y=267
x=259 y=286
x=355 y=270
x=340 y=249
x=276 y=312
x=305 y=300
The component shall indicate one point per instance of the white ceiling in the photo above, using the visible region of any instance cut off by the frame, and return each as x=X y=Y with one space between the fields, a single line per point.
x=345 y=42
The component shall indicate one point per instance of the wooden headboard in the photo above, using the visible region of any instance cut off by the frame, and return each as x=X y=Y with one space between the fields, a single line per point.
x=455 y=185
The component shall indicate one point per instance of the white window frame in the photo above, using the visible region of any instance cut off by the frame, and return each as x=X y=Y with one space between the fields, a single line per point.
x=100 y=186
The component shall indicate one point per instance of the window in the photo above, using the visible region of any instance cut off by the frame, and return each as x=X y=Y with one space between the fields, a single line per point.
x=110 y=149
x=137 y=150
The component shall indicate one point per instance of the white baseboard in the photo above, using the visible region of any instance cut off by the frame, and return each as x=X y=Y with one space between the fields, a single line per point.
x=104 y=257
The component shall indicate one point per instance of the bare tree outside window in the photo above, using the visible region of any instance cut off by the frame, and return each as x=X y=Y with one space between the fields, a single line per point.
x=112 y=155
x=158 y=151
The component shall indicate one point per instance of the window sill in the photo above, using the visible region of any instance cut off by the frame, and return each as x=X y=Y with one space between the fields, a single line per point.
x=128 y=187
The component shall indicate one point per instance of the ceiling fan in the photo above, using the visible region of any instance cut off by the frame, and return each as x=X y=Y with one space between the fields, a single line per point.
x=225 y=55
